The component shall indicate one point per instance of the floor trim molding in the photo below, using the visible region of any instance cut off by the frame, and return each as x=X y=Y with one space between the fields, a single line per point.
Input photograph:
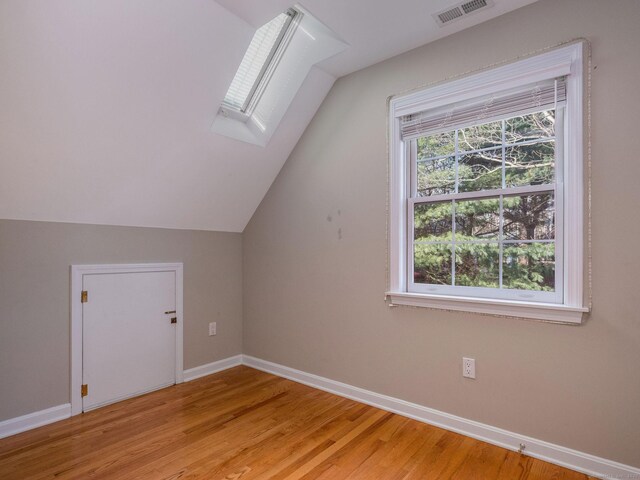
x=566 y=457
x=33 y=420
x=16 y=425
x=213 y=367
x=556 y=454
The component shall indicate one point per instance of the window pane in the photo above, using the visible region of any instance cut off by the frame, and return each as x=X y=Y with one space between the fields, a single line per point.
x=436 y=177
x=480 y=171
x=529 y=217
x=437 y=145
x=261 y=46
x=529 y=266
x=477 y=219
x=480 y=136
x=477 y=265
x=532 y=164
x=530 y=127
x=432 y=221
x=432 y=263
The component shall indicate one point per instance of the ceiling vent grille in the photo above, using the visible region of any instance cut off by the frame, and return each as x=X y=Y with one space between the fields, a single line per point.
x=461 y=10
x=450 y=15
x=473 y=5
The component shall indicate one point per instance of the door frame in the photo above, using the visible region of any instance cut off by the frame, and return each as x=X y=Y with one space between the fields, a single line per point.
x=77 y=272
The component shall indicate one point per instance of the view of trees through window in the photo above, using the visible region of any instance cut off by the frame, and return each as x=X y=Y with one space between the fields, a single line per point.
x=506 y=240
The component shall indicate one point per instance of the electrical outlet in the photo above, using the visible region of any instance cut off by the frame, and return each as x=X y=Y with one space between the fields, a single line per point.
x=468 y=367
x=212 y=329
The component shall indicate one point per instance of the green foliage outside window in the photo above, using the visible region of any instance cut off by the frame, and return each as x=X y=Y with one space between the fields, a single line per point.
x=527 y=144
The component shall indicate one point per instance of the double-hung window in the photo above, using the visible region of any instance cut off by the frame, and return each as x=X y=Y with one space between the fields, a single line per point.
x=486 y=191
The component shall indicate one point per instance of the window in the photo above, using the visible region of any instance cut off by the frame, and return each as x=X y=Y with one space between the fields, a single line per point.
x=486 y=194
x=259 y=61
x=279 y=58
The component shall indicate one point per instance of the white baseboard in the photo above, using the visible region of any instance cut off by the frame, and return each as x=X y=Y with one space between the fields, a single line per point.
x=212 y=367
x=565 y=457
x=34 y=420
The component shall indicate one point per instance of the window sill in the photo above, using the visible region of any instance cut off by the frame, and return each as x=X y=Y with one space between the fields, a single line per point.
x=539 y=311
x=246 y=130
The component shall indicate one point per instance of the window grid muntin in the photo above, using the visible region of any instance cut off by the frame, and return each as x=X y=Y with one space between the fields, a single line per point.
x=487 y=149
x=500 y=239
x=501 y=223
x=554 y=189
x=493 y=240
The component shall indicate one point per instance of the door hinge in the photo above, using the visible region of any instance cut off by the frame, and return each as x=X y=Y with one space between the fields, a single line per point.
x=84 y=390
x=84 y=296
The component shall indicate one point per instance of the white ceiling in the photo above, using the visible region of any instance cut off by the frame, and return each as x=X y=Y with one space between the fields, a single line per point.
x=375 y=29
x=106 y=105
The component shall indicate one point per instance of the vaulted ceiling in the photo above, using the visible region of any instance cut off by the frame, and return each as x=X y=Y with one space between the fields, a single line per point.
x=106 y=106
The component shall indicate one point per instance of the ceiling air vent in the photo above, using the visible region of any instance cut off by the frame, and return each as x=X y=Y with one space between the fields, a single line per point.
x=461 y=10
x=473 y=5
x=449 y=15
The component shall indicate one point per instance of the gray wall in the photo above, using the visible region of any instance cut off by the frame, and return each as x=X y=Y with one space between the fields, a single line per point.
x=315 y=253
x=34 y=294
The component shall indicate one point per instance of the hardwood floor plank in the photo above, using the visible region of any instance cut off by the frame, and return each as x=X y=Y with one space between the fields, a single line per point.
x=242 y=424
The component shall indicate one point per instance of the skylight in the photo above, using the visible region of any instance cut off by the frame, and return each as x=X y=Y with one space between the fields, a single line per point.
x=266 y=45
x=276 y=64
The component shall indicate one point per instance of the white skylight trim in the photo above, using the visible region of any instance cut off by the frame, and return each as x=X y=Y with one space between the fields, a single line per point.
x=252 y=113
x=256 y=61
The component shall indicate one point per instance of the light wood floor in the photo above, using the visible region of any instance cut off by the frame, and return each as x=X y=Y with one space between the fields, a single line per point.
x=243 y=424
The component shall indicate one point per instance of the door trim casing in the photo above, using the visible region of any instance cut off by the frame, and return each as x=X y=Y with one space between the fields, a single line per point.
x=77 y=272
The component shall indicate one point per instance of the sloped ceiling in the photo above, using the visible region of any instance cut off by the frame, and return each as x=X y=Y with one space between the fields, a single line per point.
x=106 y=105
x=375 y=29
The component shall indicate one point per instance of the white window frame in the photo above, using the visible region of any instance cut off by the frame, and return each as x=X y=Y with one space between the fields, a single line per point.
x=311 y=42
x=565 y=307
x=266 y=71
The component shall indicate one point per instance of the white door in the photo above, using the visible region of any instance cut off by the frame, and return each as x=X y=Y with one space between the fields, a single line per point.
x=128 y=338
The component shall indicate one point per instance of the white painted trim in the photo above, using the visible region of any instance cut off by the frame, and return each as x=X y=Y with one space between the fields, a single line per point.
x=179 y=269
x=573 y=173
x=554 y=63
x=33 y=420
x=566 y=60
x=213 y=367
x=549 y=452
x=556 y=454
x=310 y=43
x=77 y=272
x=551 y=312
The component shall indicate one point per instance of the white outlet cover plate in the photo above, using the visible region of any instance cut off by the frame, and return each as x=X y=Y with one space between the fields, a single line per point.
x=468 y=367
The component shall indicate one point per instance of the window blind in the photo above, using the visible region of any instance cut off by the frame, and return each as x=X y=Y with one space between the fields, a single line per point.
x=254 y=62
x=532 y=98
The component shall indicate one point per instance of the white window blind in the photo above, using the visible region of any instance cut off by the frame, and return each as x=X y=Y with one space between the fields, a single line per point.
x=262 y=48
x=521 y=101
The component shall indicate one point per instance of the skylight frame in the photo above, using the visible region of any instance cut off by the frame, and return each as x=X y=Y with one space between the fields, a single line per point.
x=308 y=41
x=268 y=67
